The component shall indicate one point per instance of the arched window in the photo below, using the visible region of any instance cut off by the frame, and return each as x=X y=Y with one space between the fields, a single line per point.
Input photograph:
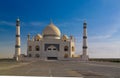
x=37 y=48
x=30 y=48
x=73 y=49
x=52 y=48
x=29 y=55
x=37 y=55
x=38 y=40
x=66 y=56
x=64 y=38
x=66 y=48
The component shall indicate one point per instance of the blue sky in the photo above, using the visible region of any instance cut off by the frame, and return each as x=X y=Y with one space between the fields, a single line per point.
x=103 y=18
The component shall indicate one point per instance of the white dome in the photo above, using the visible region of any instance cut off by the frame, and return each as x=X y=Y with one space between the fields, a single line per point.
x=51 y=31
x=64 y=37
x=37 y=37
x=18 y=19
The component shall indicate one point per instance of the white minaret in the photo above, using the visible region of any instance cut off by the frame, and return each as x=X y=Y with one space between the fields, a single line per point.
x=84 y=56
x=17 y=45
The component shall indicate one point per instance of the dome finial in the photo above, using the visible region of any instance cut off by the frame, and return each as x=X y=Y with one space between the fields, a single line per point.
x=18 y=19
x=85 y=21
x=51 y=22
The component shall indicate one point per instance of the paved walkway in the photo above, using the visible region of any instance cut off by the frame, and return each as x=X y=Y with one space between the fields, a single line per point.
x=64 y=69
x=12 y=66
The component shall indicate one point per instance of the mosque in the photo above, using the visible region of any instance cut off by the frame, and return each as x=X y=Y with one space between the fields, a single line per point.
x=50 y=44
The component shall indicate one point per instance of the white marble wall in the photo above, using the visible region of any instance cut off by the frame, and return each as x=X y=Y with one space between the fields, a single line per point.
x=44 y=54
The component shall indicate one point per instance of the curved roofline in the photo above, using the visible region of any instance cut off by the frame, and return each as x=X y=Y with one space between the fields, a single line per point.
x=51 y=31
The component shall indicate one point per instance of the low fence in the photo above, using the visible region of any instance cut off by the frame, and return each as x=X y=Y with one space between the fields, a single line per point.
x=105 y=59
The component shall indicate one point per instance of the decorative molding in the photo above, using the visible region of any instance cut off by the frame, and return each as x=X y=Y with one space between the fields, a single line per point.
x=17 y=35
x=84 y=37
x=17 y=46
x=85 y=27
x=84 y=47
x=51 y=35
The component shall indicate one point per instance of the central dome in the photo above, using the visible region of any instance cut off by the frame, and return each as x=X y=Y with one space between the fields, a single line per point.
x=51 y=31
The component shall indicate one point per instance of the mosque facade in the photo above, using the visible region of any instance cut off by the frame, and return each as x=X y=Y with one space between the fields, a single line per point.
x=50 y=44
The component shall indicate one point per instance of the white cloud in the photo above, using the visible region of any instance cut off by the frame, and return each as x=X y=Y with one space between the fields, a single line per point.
x=104 y=49
x=105 y=44
x=36 y=23
x=7 y=23
x=2 y=30
x=33 y=23
x=73 y=22
x=100 y=37
x=101 y=49
x=108 y=34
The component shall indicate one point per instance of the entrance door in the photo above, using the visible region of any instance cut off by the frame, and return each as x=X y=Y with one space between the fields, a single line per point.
x=52 y=58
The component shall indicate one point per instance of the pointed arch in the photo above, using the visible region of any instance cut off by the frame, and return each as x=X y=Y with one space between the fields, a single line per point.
x=73 y=48
x=30 y=48
x=66 y=48
x=37 y=48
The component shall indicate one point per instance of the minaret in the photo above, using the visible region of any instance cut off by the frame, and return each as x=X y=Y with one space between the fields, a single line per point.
x=28 y=37
x=84 y=56
x=17 y=46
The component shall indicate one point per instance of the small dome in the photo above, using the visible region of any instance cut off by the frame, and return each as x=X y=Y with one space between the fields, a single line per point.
x=18 y=19
x=51 y=31
x=64 y=37
x=37 y=37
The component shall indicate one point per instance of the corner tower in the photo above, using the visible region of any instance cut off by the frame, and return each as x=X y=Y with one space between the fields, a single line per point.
x=18 y=43
x=84 y=56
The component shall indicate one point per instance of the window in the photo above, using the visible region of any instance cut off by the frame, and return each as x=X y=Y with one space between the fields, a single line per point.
x=54 y=48
x=64 y=40
x=30 y=48
x=66 y=48
x=37 y=48
x=37 y=55
x=37 y=39
x=49 y=48
x=73 y=49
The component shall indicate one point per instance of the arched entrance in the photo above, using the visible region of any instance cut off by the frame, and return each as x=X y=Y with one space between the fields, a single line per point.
x=52 y=50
